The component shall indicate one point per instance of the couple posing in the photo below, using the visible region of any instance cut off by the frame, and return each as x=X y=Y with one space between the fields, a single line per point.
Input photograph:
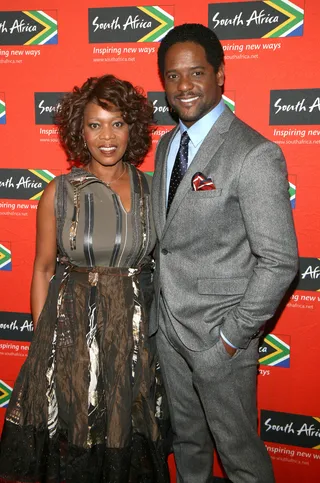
x=90 y=404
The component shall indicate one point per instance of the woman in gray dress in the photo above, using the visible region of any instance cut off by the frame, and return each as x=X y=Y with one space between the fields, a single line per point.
x=87 y=406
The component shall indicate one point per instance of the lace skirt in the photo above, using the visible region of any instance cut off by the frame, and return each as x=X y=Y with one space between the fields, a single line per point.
x=88 y=405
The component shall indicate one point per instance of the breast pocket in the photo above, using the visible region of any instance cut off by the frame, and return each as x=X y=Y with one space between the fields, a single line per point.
x=194 y=195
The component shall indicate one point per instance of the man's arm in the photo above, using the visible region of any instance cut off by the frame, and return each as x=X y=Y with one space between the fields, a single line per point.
x=266 y=211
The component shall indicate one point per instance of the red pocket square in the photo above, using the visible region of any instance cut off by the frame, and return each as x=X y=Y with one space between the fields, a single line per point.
x=201 y=183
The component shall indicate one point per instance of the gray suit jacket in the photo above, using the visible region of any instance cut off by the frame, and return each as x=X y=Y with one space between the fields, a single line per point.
x=225 y=257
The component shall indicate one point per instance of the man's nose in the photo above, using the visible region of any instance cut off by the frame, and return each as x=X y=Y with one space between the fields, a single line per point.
x=185 y=83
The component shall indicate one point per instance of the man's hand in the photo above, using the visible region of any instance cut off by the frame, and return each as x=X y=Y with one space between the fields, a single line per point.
x=231 y=351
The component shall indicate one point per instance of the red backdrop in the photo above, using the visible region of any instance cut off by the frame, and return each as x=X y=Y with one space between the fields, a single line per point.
x=272 y=83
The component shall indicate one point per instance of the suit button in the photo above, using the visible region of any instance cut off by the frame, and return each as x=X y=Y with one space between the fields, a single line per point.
x=164 y=251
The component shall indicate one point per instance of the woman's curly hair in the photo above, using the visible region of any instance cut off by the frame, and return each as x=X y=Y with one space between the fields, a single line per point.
x=106 y=91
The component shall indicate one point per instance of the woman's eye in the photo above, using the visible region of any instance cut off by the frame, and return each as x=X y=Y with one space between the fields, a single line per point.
x=118 y=124
x=93 y=125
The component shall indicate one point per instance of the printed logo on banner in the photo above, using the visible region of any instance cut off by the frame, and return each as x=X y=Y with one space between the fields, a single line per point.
x=16 y=326
x=275 y=351
x=291 y=429
x=129 y=24
x=163 y=114
x=5 y=257
x=5 y=394
x=230 y=102
x=294 y=106
x=3 y=117
x=292 y=189
x=28 y=27
x=24 y=184
x=46 y=105
x=256 y=19
x=309 y=274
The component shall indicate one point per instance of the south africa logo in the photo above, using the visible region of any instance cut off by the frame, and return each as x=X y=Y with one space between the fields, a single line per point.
x=275 y=351
x=292 y=190
x=5 y=257
x=24 y=184
x=5 y=394
x=3 y=116
x=230 y=102
x=256 y=19
x=129 y=24
x=28 y=27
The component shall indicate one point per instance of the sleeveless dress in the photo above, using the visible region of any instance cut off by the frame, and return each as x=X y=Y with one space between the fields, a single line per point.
x=88 y=405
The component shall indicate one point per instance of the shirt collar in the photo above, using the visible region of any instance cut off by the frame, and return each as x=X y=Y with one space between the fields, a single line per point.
x=198 y=131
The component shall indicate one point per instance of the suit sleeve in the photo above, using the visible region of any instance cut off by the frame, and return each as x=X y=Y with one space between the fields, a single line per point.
x=267 y=216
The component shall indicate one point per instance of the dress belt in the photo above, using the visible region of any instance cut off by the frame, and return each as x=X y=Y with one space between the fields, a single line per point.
x=94 y=273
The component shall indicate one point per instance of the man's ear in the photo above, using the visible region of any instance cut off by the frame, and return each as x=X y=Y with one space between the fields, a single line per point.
x=220 y=75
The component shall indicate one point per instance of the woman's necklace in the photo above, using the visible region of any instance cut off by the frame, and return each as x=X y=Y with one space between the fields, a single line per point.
x=108 y=183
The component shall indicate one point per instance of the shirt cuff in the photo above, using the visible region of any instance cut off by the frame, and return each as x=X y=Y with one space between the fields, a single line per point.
x=226 y=340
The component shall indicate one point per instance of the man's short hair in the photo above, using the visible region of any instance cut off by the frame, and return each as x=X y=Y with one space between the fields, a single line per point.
x=198 y=34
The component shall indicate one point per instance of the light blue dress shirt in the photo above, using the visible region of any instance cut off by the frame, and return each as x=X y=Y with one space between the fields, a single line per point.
x=197 y=132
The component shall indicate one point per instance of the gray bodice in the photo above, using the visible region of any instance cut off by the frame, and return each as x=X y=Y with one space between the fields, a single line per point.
x=94 y=229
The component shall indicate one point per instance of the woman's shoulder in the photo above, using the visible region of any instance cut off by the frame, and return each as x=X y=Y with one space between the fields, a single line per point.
x=73 y=175
x=147 y=176
x=141 y=179
x=59 y=181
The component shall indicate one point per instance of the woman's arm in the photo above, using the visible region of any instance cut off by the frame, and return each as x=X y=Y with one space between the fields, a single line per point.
x=46 y=251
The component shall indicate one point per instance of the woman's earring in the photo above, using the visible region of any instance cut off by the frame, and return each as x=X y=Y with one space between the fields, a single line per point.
x=85 y=144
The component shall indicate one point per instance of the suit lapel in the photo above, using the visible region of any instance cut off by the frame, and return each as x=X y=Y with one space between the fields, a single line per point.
x=160 y=181
x=207 y=151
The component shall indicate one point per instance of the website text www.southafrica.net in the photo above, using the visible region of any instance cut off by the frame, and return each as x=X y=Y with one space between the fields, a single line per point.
x=114 y=59
x=297 y=141
x=10 y=61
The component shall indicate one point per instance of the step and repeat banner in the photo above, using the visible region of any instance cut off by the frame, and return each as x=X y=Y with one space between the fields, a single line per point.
x=272 y=83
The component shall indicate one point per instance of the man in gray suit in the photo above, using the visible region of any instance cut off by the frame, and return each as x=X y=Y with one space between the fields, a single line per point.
x=226 y=256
